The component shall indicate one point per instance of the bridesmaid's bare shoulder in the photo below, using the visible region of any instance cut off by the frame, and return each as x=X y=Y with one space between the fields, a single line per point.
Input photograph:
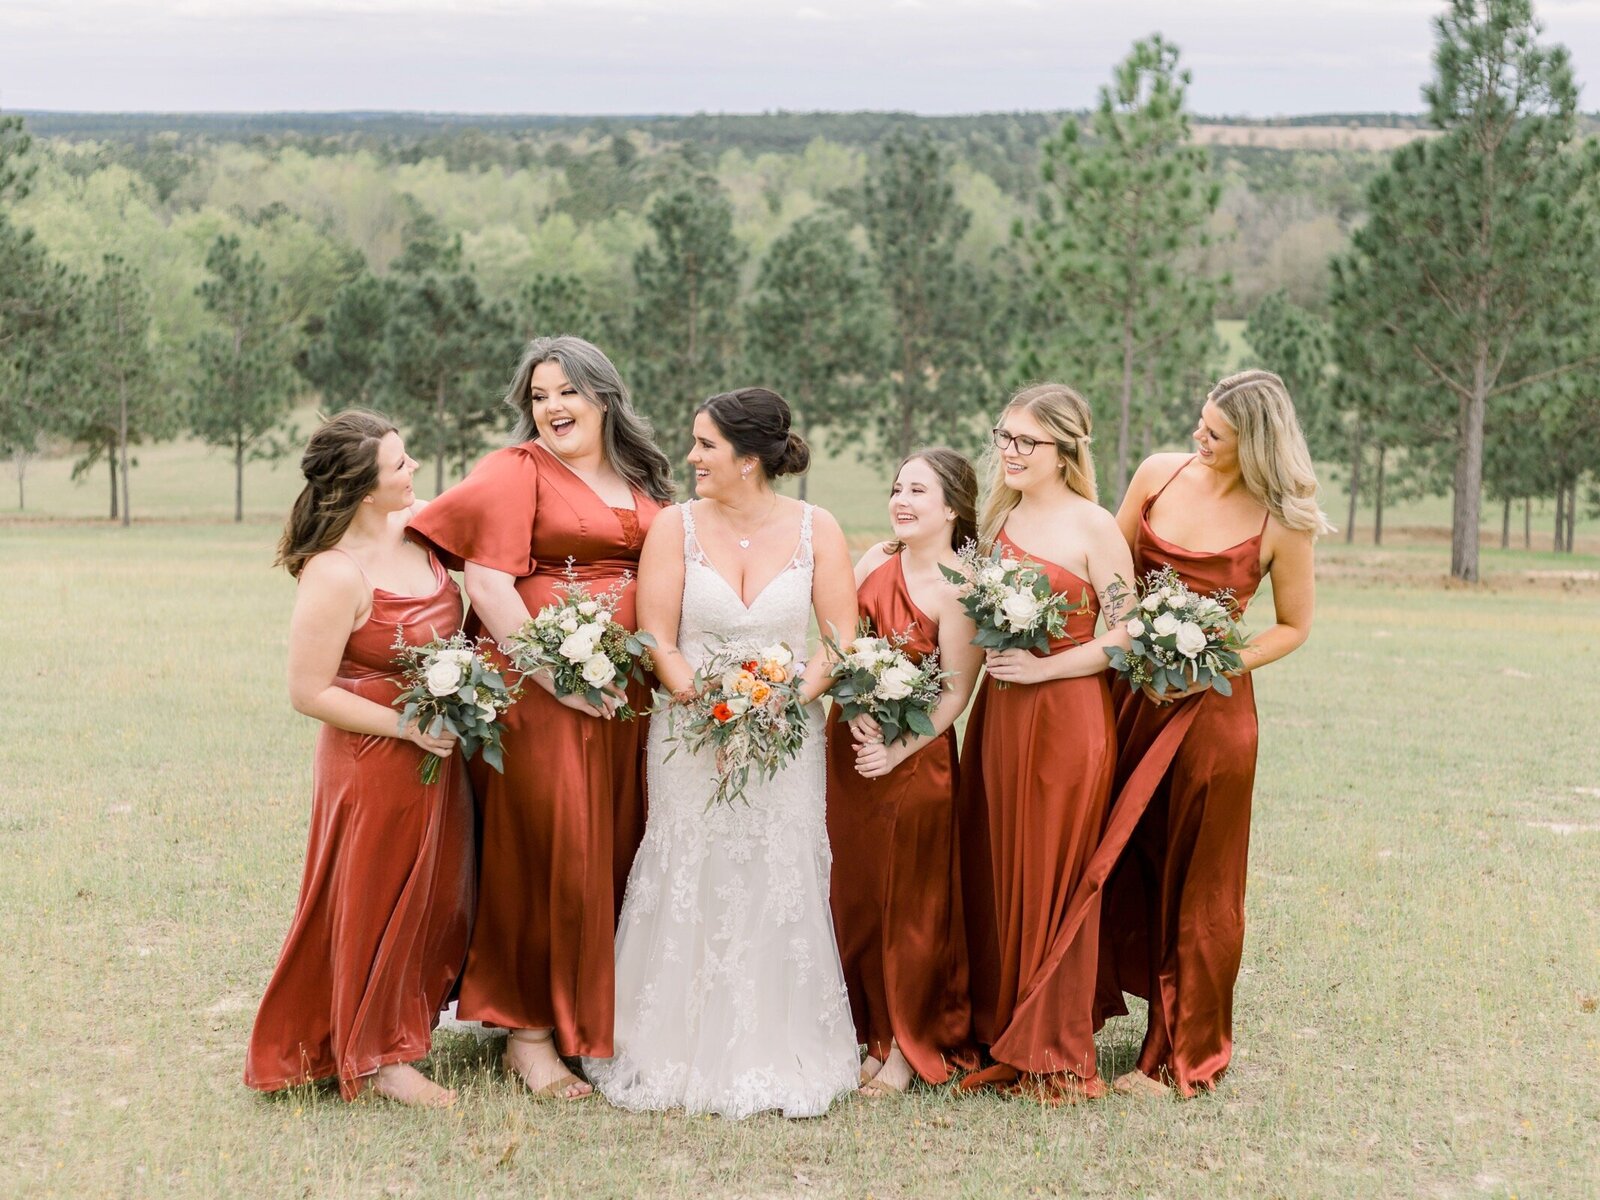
x=871 y=559
x=333 y=571
x=1153 y=473
x=666 y=525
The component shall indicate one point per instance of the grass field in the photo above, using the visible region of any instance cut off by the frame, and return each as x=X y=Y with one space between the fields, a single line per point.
x=1417 y=1014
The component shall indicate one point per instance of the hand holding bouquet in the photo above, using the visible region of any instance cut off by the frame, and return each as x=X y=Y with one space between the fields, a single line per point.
x=1010 y=601
x=877 y=678
x=448 y=686
x=579 y=642
x=747 y=708
x=1181 y=639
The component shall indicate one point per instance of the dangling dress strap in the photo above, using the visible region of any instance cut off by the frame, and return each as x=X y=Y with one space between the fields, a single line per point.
x=1152 y=499
x=364 y=576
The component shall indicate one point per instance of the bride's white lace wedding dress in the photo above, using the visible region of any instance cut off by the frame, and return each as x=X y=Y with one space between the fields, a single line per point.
x=730 y=997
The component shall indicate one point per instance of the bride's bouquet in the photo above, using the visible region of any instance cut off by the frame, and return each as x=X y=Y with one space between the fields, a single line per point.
x=578 y=640
x=747 y=709
x=1180 y=638
x=877 y=677
x=1010 y=600
x=448 y=684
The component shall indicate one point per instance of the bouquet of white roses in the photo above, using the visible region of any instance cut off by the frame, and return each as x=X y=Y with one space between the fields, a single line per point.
x=747 y=709
x=579 y=641
x=1010 y=600
x=1180 y=638
x=448 y=684
x=877 y=677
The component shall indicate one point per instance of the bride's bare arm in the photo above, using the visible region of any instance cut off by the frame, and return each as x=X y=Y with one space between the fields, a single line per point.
x=660 y=597
x=833 y=597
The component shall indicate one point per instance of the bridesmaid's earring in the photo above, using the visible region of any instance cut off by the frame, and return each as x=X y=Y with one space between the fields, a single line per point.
x=745 y=471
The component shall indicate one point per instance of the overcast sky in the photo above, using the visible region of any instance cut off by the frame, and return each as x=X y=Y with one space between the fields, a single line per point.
x=1255 y=57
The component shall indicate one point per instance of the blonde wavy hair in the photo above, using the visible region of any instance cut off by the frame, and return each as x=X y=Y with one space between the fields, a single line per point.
x=1065 y=417
x=1273 y=460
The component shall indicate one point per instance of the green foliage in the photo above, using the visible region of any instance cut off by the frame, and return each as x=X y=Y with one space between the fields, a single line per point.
x=555 y=304
x=816 y=326
x=1481 y=241
x=684 y=341
x=940 y=309
x=446 y=352
x=345 y=344
x=117 y=396
x=1298 y=344
x=1118 y=299
x=243 y=384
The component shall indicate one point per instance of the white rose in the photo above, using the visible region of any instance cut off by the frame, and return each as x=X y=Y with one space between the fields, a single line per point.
x=1021 y=610
x=443 y=677
x=778 y=653
x=1151 y=602
x=1191 y=639
x=895 y=683
x=1136 y=627
x=487 y=711
x=461 y=658
x=578 y=645
x=589 y=607
x=568 y=623
x=603 y=617
x=1165 y=624
x=739 y=705
x=597 y=671
x=1010 y=564
x=990 y=576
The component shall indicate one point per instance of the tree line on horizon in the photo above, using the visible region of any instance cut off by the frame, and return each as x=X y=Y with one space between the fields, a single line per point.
x=1445 y=343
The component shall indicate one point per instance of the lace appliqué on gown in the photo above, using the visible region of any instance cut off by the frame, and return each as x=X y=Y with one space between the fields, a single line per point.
x=730 y=997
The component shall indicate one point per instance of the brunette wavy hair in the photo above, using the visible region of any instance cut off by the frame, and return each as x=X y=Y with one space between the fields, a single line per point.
x=340 y=465
x=958 y=480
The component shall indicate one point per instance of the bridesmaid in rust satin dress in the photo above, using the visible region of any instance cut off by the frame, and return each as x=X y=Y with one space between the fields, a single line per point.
x=1173 y=907
x=560 y=827
x=1036 y=766
x=380 y=929
x=891 y=809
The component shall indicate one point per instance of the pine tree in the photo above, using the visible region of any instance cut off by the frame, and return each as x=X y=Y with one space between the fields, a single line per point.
x=117 y=398
x=447 y=351
x=683 y=342
x=244 y=384
x=1481 y=241
x=816 y=327
x=549 y=305
x=940 y=329
x=1118 y=298
x=342 y=357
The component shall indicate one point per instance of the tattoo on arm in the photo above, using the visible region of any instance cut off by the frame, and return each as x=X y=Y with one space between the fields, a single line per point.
x=1114 y=598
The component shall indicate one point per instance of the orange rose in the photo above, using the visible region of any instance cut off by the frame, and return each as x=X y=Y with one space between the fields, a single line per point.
x=722 y=713
x=774 y=672
x=760 y=693
x=745 y=683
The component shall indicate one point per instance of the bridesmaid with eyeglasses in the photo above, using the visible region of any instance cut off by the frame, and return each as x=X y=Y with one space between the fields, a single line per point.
x=1036 y=766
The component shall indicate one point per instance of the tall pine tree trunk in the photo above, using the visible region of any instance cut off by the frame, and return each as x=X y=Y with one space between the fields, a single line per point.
x=111 y=463
x=238 y=479
x=1560 y=539
x=1572 y=515
x=1125 y=423
x=1355 y=485
x=1505 y=525
x=122 y=444
x=1468 y=500
x=1377 y=495
x=21 y=461
x=1527 y=522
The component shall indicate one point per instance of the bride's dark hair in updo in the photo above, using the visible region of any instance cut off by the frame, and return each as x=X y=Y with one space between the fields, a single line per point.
x=755 y=421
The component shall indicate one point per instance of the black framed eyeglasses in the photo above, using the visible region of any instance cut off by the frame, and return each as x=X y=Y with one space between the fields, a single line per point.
x=1021 y=442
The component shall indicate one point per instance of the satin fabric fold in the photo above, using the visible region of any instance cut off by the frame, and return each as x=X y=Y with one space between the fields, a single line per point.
x=895 y=894
x=1036 y=773
x=560 y=827
x=380 y=928
x=1172 y=924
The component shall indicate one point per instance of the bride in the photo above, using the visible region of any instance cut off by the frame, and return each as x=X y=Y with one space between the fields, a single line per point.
x=730 y=997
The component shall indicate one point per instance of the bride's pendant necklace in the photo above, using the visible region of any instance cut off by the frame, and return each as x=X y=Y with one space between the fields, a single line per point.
x=744 y=542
